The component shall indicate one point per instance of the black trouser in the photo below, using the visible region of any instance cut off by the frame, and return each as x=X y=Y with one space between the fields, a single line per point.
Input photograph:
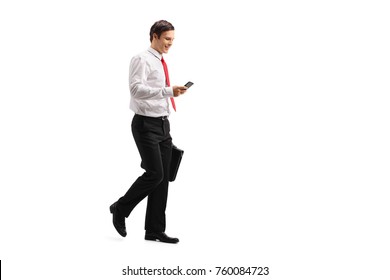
x=154 y=144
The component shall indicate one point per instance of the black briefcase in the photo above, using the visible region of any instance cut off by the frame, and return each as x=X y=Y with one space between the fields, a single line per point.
x=177 y=155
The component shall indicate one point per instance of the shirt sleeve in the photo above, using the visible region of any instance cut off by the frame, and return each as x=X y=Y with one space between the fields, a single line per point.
x=139 y=87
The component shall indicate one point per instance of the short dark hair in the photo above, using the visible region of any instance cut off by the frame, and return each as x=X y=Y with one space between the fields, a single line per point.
x=159 y=27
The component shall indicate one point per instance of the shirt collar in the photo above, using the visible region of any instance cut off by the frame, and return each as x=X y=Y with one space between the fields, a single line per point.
x=155 y=53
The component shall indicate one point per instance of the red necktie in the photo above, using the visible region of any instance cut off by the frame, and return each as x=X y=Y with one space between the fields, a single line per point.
x=167 y=81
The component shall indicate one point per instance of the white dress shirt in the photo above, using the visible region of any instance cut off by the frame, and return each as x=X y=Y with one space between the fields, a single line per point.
x=148 y=90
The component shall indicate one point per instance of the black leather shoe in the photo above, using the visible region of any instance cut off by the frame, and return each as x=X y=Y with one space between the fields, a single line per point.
x=118 y=220
x=162 y=237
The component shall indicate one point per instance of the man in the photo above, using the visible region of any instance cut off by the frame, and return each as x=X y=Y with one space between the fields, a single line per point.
x=150 y=96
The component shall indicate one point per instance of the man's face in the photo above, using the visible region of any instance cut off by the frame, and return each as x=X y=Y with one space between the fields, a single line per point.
x=165 y=41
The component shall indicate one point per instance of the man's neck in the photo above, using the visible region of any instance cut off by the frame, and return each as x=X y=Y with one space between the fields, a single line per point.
x=154 y=47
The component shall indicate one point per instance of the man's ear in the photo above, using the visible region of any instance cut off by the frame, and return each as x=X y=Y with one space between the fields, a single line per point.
x=155 y=36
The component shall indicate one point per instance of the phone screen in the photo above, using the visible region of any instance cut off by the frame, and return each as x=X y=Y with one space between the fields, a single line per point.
x=189 y=84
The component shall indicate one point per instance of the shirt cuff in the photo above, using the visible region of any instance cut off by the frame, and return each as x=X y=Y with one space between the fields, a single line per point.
x=168 y=91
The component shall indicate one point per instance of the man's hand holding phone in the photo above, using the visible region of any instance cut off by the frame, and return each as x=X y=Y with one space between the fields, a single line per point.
x=178 y=90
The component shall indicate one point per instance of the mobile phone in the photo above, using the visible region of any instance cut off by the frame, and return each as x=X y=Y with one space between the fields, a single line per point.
x=189 y=84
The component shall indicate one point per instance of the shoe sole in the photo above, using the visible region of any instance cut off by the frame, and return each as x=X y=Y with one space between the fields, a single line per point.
x=112 y=212
x=112 y=209
x=152 y=238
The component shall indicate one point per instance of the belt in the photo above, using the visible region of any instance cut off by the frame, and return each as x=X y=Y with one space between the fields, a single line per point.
x=156 y=118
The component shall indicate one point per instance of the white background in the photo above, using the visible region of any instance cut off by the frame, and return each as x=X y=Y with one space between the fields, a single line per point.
x=285 y=133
